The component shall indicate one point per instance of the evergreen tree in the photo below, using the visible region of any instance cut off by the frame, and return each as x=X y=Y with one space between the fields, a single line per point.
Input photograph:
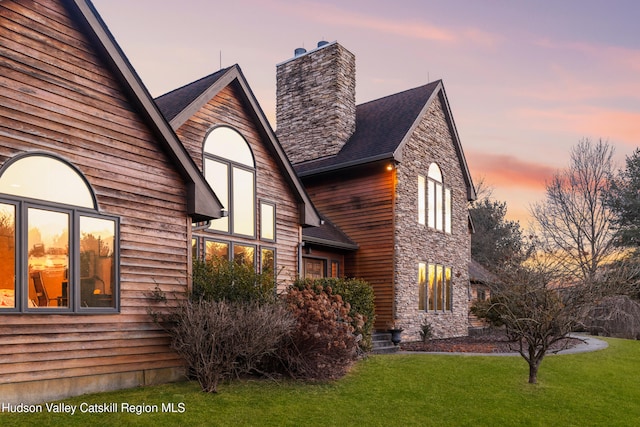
x=624 y=202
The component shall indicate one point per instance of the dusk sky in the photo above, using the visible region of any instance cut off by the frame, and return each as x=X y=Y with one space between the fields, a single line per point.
x=525 y=80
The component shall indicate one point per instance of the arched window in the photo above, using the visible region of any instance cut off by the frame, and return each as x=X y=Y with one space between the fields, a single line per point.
x=229 y=168
x=57 y=253
x=438 y=200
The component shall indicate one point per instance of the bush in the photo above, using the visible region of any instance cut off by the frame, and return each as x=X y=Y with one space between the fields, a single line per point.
x=221 y=280
x=358 y=294
x=426 y=331
x=219 y=340
x=322 y=345
x=615 y=316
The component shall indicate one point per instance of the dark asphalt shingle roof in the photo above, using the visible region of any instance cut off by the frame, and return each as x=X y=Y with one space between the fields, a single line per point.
x=173 y=103
x=328 y=234
x=381 y=125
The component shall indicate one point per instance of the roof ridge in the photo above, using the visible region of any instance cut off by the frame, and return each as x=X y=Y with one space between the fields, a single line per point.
x=193 y=83
x=435 y=82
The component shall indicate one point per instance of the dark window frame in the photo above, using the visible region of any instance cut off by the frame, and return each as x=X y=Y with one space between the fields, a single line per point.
x=22 y=281
x=231 y=165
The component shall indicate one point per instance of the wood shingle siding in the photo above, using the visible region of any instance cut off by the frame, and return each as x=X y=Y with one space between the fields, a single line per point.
x=58 y=96
x=226 y=108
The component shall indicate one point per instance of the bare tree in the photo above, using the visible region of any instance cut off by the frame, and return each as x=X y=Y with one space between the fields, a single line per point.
x=574 y=221
x=535 y=311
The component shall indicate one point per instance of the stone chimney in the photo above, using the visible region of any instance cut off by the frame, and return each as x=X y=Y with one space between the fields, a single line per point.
x=316 y=101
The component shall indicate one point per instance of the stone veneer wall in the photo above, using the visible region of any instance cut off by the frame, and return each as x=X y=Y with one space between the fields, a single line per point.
x=414 y=243
x=316 y=102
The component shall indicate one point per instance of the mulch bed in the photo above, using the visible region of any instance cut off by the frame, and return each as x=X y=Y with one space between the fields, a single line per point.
x=488 y=342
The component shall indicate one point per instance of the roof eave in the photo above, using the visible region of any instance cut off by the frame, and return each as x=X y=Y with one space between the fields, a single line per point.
x=202 y=202
x=349 y=164
x=330 y=243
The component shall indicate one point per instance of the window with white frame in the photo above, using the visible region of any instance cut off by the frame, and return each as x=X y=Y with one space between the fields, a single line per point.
x=58 y=254
x=438 y=200
x=435 y=292
x=229 y=168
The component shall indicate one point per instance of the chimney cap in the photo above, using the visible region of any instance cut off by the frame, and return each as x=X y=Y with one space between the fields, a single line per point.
x=322 y=43
x=299 y=51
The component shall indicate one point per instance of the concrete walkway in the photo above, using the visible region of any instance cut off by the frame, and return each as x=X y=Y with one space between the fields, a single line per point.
x=589 y=343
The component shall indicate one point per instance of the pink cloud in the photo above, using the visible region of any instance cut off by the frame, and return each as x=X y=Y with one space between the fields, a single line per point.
x=502 y=170
x=615 y=125
x=607 y=54
x=414 y=29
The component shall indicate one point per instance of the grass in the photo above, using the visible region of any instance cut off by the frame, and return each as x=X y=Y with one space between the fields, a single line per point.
x=587 y=389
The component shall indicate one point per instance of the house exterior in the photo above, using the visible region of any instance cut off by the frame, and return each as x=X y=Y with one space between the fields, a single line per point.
x=392 y=176
x=221 y=125
x=97 y=201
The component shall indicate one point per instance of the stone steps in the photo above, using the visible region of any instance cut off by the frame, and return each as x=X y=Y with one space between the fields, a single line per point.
x=382 y=343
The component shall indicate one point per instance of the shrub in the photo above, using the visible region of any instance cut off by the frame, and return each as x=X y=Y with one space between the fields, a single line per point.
x=219 y=340
x=221 y=280
x=615 y=316
x=322 y=345
x=426 y=331
x=358 y=294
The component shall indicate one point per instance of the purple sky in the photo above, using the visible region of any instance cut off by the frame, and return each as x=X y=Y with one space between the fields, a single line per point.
x=526 y=80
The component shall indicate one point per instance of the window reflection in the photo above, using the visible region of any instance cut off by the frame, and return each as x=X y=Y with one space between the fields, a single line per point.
x=438 y=287
x=244 y=254
x=229 y=144
x=216 y=250
x=438 y=200
x=431 y=303
x=243 y=202
x=421 y=200
x=268 y=261
x=7 y=256
x=48 y=258
x=45 y=178
x=217 y=175
x=230 y=171
x=447 y=288
x=97 y=266
x=267 y=221
x=422 y=279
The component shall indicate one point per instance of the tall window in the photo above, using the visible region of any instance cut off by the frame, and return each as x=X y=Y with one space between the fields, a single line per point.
x=230 y=171
x=438 y=200
x=267 y=221
x=434 y=287
x=57 y=254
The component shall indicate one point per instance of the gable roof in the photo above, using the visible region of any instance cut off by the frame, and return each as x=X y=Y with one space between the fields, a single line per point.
x=182 y=103
x=202 y=203
x=173 y=105
x=383 y=127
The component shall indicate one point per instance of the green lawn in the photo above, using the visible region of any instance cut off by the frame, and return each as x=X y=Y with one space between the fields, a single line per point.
x=588 y=389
